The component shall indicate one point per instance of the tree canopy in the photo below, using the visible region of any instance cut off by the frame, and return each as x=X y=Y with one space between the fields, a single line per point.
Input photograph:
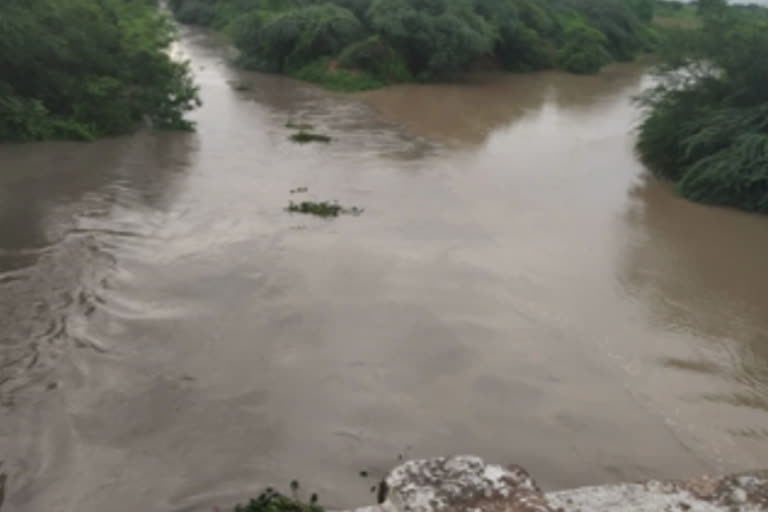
x=706 y=127
x=88 y=68
x=425 y=39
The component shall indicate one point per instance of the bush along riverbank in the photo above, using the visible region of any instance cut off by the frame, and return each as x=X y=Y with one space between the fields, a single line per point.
x=84 y=69
x=364 y=44
x=706 y=127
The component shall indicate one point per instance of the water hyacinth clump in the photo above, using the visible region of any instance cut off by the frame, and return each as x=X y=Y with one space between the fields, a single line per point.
x=303 y=137
x=322 y=208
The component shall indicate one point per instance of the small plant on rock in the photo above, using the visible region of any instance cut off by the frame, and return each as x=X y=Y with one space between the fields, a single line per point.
x=272 y=501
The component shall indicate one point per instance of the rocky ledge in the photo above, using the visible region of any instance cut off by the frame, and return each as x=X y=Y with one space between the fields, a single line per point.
x=468 y=484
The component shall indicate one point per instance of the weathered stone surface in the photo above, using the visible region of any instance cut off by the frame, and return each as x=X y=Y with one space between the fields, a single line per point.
x=467 y=484
x=747 y=492
x=459 y=484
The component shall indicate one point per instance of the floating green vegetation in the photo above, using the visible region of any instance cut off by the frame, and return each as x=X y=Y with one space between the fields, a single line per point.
x=304 y=137
x=272 y=501
x=299 y=190
x=322 y=208
x=295 y=125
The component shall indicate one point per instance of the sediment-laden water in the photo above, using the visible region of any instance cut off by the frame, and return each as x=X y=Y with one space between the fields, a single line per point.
x=172 y=340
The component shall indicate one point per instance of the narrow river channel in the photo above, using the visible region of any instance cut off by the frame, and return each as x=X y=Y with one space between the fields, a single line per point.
x=517 y=288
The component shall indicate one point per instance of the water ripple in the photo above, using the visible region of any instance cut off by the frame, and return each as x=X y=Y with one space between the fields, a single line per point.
x=40 y=306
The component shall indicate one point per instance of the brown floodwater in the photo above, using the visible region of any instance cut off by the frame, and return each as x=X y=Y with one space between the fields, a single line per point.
x=517 y=288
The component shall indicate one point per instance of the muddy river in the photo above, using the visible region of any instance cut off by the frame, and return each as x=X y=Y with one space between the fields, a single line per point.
x=517 y=288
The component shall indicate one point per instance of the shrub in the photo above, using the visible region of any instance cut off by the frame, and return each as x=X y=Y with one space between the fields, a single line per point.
x=706 y=127
x=736 y=175
x=435 y=37
x=289 y=40
x=584 y=49
x=332 y=28
x=376 y=57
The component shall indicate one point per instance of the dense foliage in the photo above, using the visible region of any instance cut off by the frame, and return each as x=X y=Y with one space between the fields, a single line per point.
x=707 y=123
x=88 y=68
x=373 y=42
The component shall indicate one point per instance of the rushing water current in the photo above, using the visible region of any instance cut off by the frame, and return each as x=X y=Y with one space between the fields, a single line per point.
x=517 y=288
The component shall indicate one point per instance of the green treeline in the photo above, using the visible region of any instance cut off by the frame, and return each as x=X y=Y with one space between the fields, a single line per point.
x=84 y=69
x=359 y=44
x=706 y=127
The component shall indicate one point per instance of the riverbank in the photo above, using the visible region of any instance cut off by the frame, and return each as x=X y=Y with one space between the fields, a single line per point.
x=706 y=127
x=361 y=45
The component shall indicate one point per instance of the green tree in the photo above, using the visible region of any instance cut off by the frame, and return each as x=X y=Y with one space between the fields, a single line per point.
x=584 y=49
x=435 y=37
x=712 y=7
x=290 y=39
x=88 y=68
x=423 y=39
x=643 y=9
x=707 y=123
